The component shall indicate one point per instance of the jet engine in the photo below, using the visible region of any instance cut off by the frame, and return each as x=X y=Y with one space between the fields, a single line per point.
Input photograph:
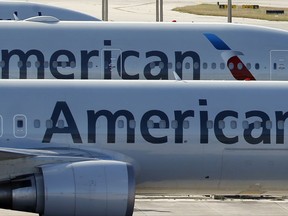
x=77 y=188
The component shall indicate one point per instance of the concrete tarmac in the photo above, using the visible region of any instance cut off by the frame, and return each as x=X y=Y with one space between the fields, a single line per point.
x=144 y=10
x=147 y=206
x=210 y=207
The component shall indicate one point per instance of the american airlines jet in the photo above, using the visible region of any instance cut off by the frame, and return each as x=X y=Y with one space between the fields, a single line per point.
x=24 y=10
x=79 y=148
x=44 y=47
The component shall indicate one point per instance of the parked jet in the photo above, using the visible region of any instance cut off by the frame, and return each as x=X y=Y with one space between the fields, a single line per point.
x=24 y=10
x=48 y=48
x=78 y=148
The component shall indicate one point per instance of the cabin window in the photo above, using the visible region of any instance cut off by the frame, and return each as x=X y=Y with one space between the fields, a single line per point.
x=37 y=64
x=221 y=124
x=2 y=64
x=37 y=123
x=20 y=123
x=239 y=66
x=268 y=124
x=245 y=124
x=222 y=66
x=213 y=65
x=233 y=124
x=132 y=124
x=73 y=64
x=60 y=124
x=63 y=64
x=28 y=64
x=196 y=65
x=186 y=124
x=178 y=65
x=120 y=124
x=280 y=125
x=257 y=124
x=257 y=66
x=20 y=64
x=162 y=124
x=248 y=65
x=209 y=124
x=150 y=124
x=49 y=123
x=174 y=124
x=54 y=64
x=231 y=66
x=205 y=65
x=152 y=65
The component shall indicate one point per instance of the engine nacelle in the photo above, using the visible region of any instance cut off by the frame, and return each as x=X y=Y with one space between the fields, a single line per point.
x=74 y=189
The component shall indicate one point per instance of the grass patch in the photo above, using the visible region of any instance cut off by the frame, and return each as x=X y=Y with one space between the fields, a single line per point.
x=214 y=10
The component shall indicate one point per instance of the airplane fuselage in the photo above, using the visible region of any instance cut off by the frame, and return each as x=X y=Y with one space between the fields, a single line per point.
x=101 y=50
x=191 y=137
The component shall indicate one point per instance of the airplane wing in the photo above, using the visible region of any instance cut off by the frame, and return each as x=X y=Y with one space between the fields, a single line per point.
x=13 y=153
x=16 y=153
x=10 y=154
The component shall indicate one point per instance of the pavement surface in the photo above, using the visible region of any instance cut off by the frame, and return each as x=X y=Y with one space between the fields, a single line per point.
x=210 y=207
x=147 y=206
x=145 y=10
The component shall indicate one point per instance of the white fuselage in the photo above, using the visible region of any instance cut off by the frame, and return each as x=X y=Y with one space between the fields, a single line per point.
x=103 y=50
x=181 y=136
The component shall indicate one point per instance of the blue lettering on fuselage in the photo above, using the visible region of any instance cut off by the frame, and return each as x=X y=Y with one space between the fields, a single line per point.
x=256 y=131
x=55 y=65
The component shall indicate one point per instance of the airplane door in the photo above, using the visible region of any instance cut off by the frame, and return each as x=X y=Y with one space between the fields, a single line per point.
x=111 y=64
x=20 y=126
x=279 y=64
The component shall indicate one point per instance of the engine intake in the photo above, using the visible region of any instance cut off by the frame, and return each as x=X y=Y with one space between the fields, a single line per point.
x=79 y=188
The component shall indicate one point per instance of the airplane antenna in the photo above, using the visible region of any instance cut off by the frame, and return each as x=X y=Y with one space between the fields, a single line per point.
x=176 y=76
x=16 y=16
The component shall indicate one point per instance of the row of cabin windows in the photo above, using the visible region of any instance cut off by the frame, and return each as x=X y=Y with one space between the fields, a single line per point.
x=152 y=65
x=196 y=65
x=20 y=126
x=174 y=124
